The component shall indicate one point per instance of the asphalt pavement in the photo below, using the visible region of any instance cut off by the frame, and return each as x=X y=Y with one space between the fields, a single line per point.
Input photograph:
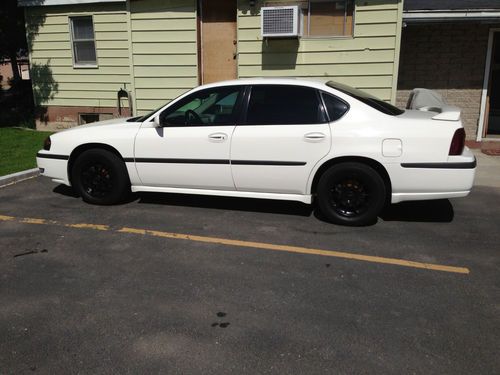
x=203 y=285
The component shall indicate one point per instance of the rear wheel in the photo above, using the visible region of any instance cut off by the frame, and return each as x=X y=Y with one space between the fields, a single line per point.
x=351 y=194
x=100 y=177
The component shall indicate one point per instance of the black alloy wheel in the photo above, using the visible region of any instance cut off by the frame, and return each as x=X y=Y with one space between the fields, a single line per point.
x=351 y=193
x=100 y=177
x=96 y=180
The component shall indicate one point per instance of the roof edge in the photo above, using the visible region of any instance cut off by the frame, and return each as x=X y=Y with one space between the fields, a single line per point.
x=38 y=3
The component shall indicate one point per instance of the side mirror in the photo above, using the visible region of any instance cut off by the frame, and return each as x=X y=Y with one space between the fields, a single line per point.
x=156 y=121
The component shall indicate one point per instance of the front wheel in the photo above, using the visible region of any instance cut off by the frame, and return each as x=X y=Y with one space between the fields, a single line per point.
x=351 y=194
x=100 y=177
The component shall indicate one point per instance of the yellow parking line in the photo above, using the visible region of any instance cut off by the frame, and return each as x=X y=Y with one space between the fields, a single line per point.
x=88 y=226
x=249 y=244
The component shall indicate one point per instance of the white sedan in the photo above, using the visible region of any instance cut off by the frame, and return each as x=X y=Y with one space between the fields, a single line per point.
x=288 y=139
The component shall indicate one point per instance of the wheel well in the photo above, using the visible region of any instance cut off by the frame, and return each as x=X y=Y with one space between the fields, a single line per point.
x=82 y=148
x=359 y=159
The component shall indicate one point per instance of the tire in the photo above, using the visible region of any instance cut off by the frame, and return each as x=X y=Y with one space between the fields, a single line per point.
x=100 y=177
x=351 y=194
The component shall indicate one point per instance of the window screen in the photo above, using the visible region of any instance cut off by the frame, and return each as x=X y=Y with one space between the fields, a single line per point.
x=280 y=104
x=335 y=107
x=82 y=35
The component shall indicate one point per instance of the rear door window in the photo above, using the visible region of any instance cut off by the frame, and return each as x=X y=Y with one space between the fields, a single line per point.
x=284 y=104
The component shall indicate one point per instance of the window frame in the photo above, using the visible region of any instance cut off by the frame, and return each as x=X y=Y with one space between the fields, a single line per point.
x=248 y=95
x=181 y=102
x=73 y=41
x=343 y=36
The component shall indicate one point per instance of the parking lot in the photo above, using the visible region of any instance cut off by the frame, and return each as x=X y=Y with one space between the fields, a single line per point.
x=189 y=284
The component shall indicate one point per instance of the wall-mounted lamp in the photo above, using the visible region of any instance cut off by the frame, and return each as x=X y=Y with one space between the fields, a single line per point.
x=251 y=3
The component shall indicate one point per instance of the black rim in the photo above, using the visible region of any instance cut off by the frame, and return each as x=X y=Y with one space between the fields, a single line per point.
x=349 y=196
x=96 y=180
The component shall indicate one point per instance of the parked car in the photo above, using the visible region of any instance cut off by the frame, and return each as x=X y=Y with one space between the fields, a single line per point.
x=288 y=139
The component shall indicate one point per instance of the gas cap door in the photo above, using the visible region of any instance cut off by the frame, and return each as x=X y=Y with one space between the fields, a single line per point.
x=392 y=147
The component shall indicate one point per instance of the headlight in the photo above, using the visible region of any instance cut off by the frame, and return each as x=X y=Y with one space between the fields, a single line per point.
x=47 y=143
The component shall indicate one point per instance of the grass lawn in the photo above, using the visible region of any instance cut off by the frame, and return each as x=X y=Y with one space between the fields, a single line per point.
x=18 y=148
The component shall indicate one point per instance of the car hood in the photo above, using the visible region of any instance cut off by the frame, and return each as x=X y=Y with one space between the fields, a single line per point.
x=115 y=121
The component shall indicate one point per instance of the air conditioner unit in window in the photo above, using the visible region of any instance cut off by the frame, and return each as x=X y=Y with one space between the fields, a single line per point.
x=281 y=22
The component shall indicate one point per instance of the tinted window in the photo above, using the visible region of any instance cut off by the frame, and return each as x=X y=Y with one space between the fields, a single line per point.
x=335 y=107
x=366 y=98
x=206 y=107
x=275 y=104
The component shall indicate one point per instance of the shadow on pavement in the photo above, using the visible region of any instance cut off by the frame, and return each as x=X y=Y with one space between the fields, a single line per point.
x=433 y=211
x=227 y=203
x=439 y=211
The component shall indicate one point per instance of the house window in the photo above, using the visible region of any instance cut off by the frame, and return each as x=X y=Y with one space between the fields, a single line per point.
x=87 y=118
x=324 y=18
x=328 y=18
x=82 y=37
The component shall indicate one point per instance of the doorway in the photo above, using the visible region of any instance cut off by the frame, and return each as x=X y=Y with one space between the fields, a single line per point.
x=492 y=127
x=217 y=40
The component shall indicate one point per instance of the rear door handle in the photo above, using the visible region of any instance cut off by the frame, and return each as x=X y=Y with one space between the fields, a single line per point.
x=217 y=137
x=314 y=137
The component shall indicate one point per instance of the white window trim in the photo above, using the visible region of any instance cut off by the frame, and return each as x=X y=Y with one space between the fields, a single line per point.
x=487 y=68
x=80 y=65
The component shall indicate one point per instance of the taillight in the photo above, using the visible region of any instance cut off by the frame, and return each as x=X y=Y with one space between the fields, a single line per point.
x=47 y=143
x=458 y=142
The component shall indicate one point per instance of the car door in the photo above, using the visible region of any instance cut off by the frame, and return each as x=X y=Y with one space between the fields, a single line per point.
x=284 y=134
x=191 y=147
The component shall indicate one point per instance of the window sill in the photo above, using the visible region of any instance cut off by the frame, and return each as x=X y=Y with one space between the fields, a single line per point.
x=327 y=37
x=89 y=66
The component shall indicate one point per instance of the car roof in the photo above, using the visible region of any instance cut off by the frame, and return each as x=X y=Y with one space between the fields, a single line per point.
x=319 y=83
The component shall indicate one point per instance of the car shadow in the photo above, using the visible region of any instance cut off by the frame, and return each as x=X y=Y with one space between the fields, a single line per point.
x=433 y=211
x=227 y=203
x=67 y=191
x=439 y=211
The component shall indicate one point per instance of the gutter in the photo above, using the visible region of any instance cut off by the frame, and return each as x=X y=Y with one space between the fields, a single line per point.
x=450 y=16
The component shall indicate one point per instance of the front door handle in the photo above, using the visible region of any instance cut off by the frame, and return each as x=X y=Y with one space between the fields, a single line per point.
x=314 y=137
x=217 y=137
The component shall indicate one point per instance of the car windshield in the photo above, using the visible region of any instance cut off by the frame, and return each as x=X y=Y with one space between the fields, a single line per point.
x=366 y=98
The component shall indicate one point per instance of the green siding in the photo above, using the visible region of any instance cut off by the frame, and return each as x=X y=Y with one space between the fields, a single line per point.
x=368 y=60
x=164 y=51
x=52 y=71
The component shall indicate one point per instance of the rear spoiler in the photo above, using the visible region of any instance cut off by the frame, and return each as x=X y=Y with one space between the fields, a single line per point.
x=448 y=113
x=432 y=101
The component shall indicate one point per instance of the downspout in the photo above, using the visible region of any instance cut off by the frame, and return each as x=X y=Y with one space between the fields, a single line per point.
x=132 y=94
x=397 y=52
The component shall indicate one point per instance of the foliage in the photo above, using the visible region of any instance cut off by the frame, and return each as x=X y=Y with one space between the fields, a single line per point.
x=18 y=148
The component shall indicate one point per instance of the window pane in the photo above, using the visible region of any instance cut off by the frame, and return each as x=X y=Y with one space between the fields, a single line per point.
x=334 y=106
x=329 y=18
x=82 y=28
x=283 y=105
x=85 y=52
x=207 y=107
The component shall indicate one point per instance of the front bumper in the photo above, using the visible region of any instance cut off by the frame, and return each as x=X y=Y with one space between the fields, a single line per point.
x=53 y=166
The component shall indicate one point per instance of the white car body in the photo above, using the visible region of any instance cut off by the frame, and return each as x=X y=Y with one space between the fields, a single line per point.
x=276 y=161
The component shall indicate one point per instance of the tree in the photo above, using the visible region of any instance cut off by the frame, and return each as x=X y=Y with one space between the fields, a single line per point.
x=12 y=34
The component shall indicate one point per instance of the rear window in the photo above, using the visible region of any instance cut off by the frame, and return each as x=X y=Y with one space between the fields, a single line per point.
x=366 y=98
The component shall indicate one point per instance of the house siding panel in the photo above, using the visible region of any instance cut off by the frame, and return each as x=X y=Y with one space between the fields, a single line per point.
x=52 y=61
x=164 y=50
x=367 y=60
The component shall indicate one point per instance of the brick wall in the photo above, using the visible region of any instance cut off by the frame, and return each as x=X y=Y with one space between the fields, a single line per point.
x=448 y=58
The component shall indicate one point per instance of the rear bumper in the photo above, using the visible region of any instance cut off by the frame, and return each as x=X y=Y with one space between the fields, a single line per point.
x=53 y=166
x=421 y=181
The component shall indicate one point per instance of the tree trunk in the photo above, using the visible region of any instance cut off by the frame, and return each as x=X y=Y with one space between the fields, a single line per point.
x=15 y=69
